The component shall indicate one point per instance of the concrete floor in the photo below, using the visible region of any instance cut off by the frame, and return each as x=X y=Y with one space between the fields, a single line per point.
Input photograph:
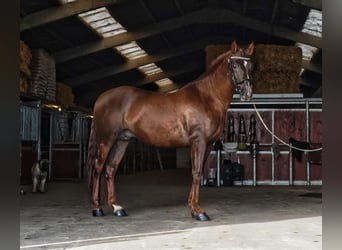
x=267 y=217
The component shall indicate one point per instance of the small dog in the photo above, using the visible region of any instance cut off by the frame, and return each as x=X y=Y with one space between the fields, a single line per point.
x=39 y=173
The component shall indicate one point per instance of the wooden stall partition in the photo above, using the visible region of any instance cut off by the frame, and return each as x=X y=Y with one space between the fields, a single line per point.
x=281 y=168
x=30 y=138
x=289 y=120
x=292 y=123
x=264 y=168
x=316 y=138
x=65 y=161
x=28 y=155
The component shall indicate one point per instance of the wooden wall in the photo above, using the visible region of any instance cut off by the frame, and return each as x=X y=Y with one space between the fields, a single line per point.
x=270 y=169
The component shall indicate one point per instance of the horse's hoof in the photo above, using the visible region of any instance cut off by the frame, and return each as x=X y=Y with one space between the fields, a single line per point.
x=98 y=212
x=120 y=213
x=200 y=217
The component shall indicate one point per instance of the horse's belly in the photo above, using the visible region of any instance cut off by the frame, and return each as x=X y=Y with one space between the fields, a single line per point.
x=162 y=134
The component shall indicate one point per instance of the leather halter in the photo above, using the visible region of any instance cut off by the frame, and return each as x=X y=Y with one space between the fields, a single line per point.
x=235 y=82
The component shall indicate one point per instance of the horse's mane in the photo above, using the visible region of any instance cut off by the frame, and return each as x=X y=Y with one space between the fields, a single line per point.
x=214 y=64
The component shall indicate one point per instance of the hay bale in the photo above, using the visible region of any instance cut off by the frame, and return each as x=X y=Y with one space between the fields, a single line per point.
x=213 y=51
x=64 y=94
x=43 y=75
x=24 y=63
x=23 y=84
x=278 y=58
x=25 y=58
x=275 y=82
x=276 y=70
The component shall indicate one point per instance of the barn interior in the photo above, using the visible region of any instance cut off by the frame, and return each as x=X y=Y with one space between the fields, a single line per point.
x=73 y=50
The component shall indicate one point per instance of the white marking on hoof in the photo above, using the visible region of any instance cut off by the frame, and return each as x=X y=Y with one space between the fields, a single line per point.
x=117 y=208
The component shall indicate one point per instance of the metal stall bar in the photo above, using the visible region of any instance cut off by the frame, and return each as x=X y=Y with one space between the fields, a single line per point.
x=307 y=120
x=273 y=141
x=50 y=144
x=290 y=166
x=304 y=105
x=67 y=137
x=30 y=124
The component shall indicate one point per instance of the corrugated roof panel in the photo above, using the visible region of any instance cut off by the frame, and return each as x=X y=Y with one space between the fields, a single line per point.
x=313 y=23
x=102 y=22
x=164 y=82
x=67 y=1
x=131 y=50
x=150 y=69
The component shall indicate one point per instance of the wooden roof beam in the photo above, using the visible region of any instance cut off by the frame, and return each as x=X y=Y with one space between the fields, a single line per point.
x=147 y=31
x=311 y=66
x=314 y=4
x=56 y=13
x=131 y=64
x=89 y=98
x=209 y=15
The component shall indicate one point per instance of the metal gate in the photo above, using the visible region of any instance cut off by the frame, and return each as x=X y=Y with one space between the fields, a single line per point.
x=70 y=132
x=30 y=114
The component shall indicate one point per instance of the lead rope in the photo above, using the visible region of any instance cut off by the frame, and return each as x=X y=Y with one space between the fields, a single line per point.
x=263 y=123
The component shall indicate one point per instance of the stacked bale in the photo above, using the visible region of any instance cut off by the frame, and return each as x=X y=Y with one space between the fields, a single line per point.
x=64 y=94
x=43 y=75
x=25 y=60
x=276 y=70
x=213 y=51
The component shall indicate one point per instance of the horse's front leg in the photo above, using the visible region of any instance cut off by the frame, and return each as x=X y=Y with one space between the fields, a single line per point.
x=114 y=160
x=197 y=156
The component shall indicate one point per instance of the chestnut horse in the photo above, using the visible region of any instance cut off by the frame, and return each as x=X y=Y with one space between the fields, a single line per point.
x=193 y=116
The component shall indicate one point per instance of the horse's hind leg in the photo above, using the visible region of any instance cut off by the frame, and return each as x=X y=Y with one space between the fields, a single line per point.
x=103 y=150
x=114 y=159
x=198 y=150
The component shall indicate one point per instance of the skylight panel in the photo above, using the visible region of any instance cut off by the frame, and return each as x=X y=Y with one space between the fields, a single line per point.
x=313 y=23
x=312 y=26
x=173 y=91
x=131 y=50
x=164 y=82
x=150 y=69
x=307 y=51
x=66 y=1
x=102 y=22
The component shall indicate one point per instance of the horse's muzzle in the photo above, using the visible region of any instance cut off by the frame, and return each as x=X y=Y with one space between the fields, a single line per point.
x=245 y=98
x=245 y=90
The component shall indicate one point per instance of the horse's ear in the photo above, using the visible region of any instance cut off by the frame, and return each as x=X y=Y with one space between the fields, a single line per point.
x=233 y=47
x=250 y=49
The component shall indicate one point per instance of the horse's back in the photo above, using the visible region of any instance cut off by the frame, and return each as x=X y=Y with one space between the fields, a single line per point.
x=155 y=118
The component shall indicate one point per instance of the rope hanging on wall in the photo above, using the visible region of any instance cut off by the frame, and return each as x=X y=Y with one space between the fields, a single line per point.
x=282 y=141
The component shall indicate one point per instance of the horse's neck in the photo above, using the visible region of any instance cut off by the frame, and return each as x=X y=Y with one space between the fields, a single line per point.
x=217 y=85
x=215 y=64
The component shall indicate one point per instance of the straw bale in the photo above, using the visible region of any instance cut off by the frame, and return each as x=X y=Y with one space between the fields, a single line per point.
x=276 y=82
x=278 y=58
x=23 y=84
x=64 y=94
x=43 y=75
x=277 y=67
x=213 y=51
x=25 y=58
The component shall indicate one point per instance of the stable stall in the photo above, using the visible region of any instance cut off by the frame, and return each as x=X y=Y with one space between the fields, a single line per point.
x=55 y=133
x=268 y=161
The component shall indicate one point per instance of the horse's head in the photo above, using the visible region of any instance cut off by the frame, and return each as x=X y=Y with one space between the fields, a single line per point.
x=240 y=65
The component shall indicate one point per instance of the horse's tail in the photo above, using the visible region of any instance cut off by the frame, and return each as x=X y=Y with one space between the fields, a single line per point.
x=92 y=153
